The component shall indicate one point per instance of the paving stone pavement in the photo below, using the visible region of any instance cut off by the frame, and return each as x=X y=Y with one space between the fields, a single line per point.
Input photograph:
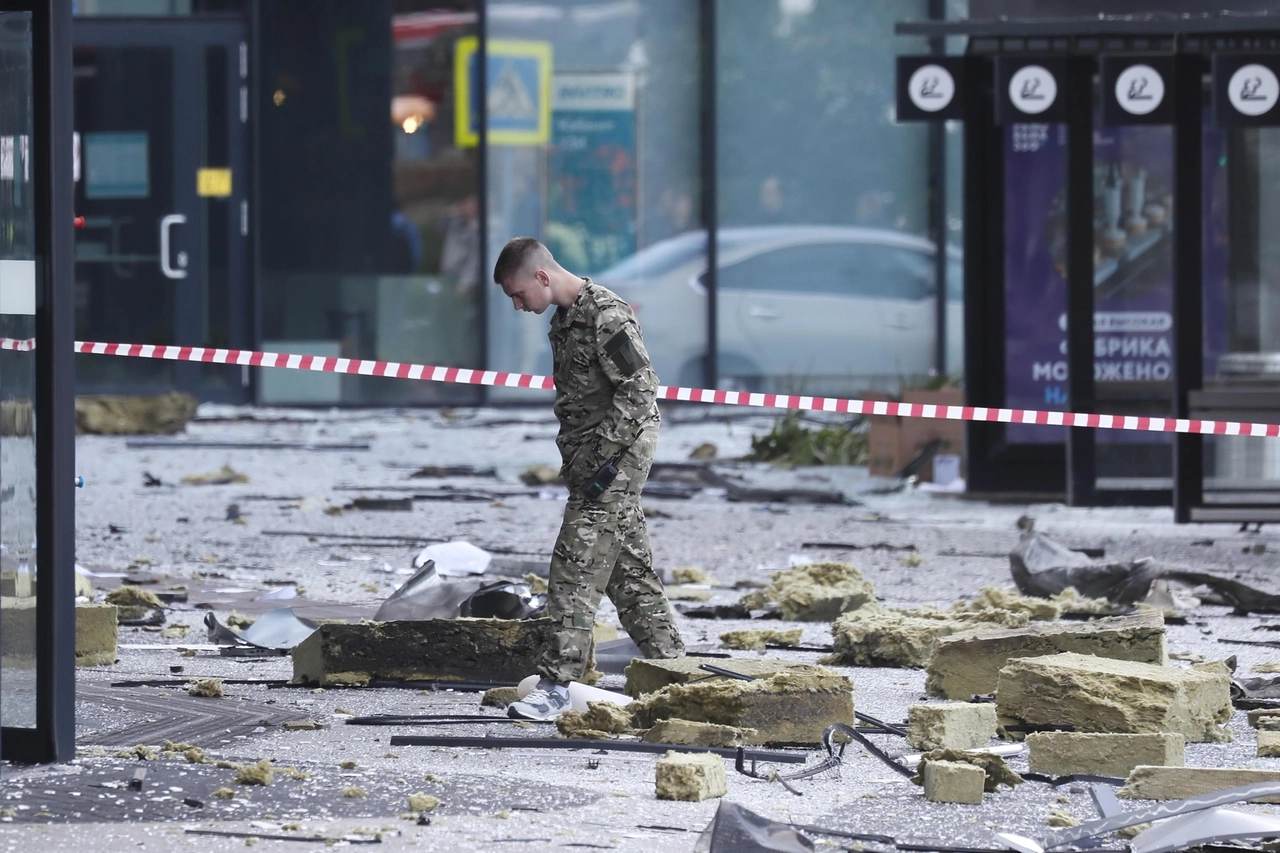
x=501 y=799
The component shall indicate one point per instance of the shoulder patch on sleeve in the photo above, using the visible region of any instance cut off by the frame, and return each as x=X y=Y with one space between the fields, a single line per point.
x=623 y=353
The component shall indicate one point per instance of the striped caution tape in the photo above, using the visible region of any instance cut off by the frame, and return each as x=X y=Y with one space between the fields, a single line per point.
x=467 y=376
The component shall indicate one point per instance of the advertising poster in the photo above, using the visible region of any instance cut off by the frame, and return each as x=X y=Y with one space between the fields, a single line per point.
x=1133 y=266
x=592 y=190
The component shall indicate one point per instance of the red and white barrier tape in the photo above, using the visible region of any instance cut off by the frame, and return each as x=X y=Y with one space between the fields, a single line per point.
x=466 y=376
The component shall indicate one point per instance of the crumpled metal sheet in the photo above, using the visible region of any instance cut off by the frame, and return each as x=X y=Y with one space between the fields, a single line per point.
x=1194 y=830
x=1161 y=811
x=1044 y=567
x=426 y=595
x=737 y=830
x=504 y=600
x=279 y=629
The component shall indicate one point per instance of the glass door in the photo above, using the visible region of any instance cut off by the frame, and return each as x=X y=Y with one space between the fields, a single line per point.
x=161 y=181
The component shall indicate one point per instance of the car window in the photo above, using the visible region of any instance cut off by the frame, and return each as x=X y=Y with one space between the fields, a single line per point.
x=868 y=270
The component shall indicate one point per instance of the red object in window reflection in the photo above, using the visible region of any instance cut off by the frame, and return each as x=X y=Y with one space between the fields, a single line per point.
x=79 y=221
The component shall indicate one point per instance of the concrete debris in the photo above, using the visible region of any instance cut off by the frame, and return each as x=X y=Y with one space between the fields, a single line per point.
x=239 y=621
x=111 y=415
x=209 y=688
x=142 y=752
x=1037 y=609
x=1102 y=754
x=996 y=771
x=133 y=595
x=354 y=792
x=175 y=632
x=255 y=774
x=1179 y=783
x=1268 y=744
x=750 y=640
x=969 y=664
x=691 y=777
x=97 y=633
x=1258 y=717
x=706 y=450
x=540 y=475
x=1096 y=694
x=1267 y=666
x=882 y=636
x=601 y=720
x=689 y=574
x=195 y=755
x=224 y=477
x=423 y=803
x=689 y=733
x=348 y=765
x=224 y=794
x=498 y=697
x=537 y=584
x=815 y=592
x=789 y=707
x=953 y=782
x=462 y=649
x=1061 y=820
x=648 y=676
x=959 y=725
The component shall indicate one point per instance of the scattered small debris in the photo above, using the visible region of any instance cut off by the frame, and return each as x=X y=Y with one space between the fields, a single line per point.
x=499 y=697
x=348 y=765
x=1061 y=819
x=755 y=640
x=130 y=595
x=142 y=752
x=209 y=688
x=537 y=584
x=689 y=574
x=706 y=450
x=255 y=774
x=224 y=794
x=814 y=592
x=540 y=475
x=423 y=803
x=913 y=560
x=224 y=477
x=353 y=792
x=175 y=632
x=239 y=621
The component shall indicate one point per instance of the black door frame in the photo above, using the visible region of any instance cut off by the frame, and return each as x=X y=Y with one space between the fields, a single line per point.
x=187 y=37
x=53 y=737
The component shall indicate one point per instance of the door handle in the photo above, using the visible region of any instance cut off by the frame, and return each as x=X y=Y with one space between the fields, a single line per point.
x=762 y=312
x=166 y=223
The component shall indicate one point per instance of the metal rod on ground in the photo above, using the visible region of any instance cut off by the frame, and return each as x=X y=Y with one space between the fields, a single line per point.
x=764 y=755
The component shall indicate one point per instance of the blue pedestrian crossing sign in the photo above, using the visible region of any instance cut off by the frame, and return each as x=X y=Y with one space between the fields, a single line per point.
x=519 y=97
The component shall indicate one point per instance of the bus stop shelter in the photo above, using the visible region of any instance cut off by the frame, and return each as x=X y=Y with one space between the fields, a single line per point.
x=1116 y=175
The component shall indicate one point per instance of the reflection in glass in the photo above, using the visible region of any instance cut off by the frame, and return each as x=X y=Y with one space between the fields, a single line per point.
x=17 y=378
x=614 y=190
x=834 y=293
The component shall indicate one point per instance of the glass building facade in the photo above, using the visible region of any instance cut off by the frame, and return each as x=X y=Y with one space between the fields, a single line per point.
x=393 y=146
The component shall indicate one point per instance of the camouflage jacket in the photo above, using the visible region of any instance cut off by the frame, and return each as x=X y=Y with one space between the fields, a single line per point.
x=606 y=390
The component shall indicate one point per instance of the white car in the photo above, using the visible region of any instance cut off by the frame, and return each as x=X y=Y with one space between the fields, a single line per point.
x=806 y=309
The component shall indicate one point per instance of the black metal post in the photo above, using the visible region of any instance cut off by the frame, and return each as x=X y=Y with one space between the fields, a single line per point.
x=710 y=179
x=482 y=181
x=983 y=269
x=1188 y=286
x=1081 y=449
x=937 y=189
x=55 y=390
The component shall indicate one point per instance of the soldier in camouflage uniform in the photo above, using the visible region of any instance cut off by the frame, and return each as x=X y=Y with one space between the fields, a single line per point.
x=606 y=401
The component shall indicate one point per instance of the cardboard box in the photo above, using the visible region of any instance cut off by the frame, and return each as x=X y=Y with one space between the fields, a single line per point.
x=895 y=441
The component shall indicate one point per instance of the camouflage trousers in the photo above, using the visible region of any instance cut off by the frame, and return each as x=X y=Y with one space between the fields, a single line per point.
x=603 y=549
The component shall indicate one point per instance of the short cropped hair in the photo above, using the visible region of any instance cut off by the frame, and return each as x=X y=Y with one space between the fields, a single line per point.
x=515 y=256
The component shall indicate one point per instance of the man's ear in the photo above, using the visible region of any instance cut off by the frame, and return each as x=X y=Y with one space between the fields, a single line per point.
x=543 y=278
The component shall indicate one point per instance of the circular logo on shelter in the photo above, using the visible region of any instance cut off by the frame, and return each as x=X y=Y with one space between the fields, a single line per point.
x=931 y=88
x=1033 y=89
x=1253 y=89
x=1139 y=89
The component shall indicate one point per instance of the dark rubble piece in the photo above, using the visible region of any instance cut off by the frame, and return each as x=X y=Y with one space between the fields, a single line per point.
x=1044 y=567
x=737 y=830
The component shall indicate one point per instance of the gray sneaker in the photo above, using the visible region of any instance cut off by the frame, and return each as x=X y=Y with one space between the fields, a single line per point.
x=546 y=701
